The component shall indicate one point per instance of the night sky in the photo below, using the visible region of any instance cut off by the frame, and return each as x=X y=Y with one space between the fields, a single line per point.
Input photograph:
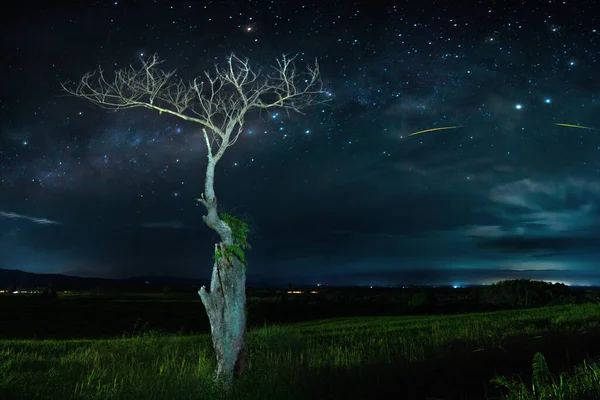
x=341 y=195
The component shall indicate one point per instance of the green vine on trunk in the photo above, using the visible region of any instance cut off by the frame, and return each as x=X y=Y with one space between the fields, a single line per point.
x=239 y=232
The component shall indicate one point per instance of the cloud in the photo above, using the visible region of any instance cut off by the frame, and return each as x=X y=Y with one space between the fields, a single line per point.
x=548 y=255
x=550 y=206
x=522 y=243
x=485 y=231
x=532 y=194
x=40 y=221
x=540 y=217
x=546 y=243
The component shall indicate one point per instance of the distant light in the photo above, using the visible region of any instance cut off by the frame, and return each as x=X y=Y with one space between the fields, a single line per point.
x=519 y=106
x=560 y=282
x=548 y=101
x=456 y=286
x=371 y=287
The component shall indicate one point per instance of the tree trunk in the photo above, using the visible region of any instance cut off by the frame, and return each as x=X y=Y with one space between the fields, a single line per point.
x=225 y=305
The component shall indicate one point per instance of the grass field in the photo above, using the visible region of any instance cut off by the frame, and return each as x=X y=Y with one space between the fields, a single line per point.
x=435 y=357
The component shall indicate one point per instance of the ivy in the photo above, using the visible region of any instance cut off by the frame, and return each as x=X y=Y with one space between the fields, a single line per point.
x=239 y=232
x=239 y=229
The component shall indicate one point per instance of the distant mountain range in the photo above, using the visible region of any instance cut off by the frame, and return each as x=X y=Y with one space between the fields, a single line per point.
x=18 y=278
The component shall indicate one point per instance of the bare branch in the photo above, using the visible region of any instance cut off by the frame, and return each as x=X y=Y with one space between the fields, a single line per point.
x=219 y=100
x=208 y=144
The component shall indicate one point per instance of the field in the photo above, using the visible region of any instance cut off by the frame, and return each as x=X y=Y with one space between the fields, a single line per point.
x=421 y=357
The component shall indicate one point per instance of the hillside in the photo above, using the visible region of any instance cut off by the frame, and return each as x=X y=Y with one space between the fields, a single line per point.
x=18 y=278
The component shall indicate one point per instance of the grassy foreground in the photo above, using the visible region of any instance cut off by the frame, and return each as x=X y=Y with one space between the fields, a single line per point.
x=440 y=357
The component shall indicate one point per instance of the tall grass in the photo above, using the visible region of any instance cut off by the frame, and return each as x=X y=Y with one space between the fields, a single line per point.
x=581 y=384
x=337 y=358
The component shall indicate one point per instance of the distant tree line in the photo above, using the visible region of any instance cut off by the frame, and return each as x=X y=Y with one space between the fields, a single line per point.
x=507 y=294
x=525 y=293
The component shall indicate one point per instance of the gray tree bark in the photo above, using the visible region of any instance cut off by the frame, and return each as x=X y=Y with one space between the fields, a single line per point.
x=226 y=308
x=225 y=303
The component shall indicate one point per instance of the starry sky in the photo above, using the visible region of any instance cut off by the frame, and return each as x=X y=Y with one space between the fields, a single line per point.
x=340 y=195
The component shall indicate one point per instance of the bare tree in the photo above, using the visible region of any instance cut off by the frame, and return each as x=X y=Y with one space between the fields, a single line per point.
x=219 y=102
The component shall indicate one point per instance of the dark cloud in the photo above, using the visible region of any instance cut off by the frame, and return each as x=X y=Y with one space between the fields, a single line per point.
x=561 y=254
x=526 y=244
x=35 y=220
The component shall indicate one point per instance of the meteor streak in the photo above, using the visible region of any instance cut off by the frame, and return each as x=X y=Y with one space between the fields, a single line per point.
x=434 y=129
x=576 y=126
